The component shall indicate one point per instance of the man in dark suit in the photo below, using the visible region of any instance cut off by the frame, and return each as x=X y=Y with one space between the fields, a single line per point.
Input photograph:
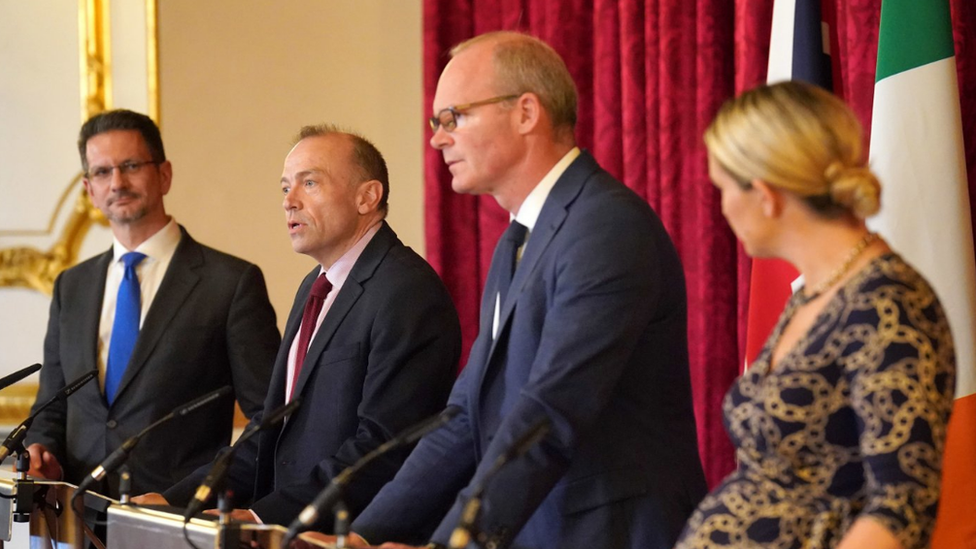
x=590 y=335
x=384 y=345
x=200 y=320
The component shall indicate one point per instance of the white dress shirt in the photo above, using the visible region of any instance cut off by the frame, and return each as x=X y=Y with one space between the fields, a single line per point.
x=528 y=214
x=159 y=250
x=336 y=274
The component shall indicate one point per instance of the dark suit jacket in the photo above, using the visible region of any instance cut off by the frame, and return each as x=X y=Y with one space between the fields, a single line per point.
x=384 y=358
x=210 y=325
x=592 y=336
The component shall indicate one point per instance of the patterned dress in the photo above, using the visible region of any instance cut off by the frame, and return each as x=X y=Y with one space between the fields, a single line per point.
x=850 y=423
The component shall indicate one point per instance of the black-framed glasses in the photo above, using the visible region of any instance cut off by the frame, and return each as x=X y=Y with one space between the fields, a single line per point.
x=447 y=118
x=100 y=174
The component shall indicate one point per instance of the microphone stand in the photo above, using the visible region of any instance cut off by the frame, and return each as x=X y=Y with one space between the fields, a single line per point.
x=24 y=503
x=229 y=532
x=121 y=454
x=341 y=527
x=125 y=485
x=218 y=471
x=331 y=496
x=14 y=443
x=15 y=440
x=466 y=530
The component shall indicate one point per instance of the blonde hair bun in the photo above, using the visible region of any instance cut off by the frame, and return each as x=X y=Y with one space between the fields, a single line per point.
x=855 y=188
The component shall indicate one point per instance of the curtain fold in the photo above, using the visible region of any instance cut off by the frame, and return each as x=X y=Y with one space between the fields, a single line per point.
x=651 y=74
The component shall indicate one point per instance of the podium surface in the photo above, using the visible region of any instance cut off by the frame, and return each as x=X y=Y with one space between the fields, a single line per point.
x=134 y=527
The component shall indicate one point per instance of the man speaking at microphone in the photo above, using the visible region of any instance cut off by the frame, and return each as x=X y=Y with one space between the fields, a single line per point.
x=371 y=345
x=163 y=318
x=583 y=324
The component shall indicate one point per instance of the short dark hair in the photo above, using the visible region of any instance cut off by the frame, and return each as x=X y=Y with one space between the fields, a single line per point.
x=367 y=157
x=121 y=119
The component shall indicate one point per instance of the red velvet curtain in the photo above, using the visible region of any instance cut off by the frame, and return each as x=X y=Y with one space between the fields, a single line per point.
x=651 y=73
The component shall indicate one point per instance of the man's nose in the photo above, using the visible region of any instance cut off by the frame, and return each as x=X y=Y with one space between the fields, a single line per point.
x=288 y=201
x=117 y=180
x=440 y=139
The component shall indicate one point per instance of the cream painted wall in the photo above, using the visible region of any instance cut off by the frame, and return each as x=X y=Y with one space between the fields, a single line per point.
x=239 y=78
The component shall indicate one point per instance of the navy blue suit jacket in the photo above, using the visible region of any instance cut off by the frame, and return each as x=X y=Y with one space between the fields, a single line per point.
x=384 y=358
x=593 y=337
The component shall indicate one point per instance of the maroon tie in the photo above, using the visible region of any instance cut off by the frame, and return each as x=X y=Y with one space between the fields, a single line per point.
x=320 y=288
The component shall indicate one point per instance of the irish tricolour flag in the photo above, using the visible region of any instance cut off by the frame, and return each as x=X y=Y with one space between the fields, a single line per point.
x=917 y=151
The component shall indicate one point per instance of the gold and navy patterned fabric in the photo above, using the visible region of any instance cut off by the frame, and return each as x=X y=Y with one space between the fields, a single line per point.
x=850 y=423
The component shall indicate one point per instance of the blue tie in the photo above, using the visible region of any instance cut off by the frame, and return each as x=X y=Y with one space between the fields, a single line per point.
x=512 y=238
x=125 y=329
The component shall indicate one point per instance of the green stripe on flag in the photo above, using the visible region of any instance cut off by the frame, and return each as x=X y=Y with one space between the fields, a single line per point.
x=913 y=33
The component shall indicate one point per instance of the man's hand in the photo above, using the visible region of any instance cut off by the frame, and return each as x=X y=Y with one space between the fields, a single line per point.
x=43 y=464
x=240 y=515
x=310 y=540
x=152 y=498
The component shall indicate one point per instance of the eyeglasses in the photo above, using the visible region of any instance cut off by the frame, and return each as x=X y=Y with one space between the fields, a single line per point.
x=447 y=118
x=101 y=174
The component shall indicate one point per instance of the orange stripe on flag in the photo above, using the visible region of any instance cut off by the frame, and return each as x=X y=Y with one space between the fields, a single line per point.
x=956 y=524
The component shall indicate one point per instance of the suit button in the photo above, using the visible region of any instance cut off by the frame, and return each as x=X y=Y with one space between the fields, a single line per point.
x=284 y=462
x=112 y=424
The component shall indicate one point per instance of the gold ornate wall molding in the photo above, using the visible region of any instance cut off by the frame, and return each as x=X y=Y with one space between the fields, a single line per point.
x=28 y=267
x=94 y=37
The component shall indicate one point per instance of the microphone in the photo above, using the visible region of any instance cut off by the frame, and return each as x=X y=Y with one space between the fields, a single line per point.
x=465 y=530
x=9 y=380
x=219 y=469
x=332 y=492
x=15 y=439
x=121 y=453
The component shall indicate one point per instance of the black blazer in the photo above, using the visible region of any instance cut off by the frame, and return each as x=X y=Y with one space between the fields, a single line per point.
x=210 y=325
x=384 y=358
x=592 y=337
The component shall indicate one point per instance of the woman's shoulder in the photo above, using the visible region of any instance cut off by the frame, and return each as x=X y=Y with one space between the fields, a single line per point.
x=889 y=276
x=903 y=309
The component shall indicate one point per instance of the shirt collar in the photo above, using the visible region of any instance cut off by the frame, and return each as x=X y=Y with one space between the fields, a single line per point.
x=157 y=246
x=531 y=207
x=339 y=270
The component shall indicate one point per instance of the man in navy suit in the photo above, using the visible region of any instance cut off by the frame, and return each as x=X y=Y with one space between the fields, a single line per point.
x=382 y=349
x=589 y=335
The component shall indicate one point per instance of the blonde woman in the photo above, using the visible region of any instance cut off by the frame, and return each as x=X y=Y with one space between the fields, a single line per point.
x=840 y=423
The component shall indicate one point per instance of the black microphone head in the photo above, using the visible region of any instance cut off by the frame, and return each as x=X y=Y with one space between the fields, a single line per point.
x=449 y=412
x=429 y=425
x=203 y=401
x=529 y=438
x=78 y=383
x=279 y=415
x=9 y=380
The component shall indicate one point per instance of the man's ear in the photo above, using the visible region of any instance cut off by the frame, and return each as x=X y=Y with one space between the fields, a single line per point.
x=369 y=195
x=529 y=110
x=166 y=174
x=770 y=198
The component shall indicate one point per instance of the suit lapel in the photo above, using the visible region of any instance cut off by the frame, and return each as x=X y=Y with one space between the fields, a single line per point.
x=91 y=314
x=551 y=218
x=180 y=279
x=351 y=290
